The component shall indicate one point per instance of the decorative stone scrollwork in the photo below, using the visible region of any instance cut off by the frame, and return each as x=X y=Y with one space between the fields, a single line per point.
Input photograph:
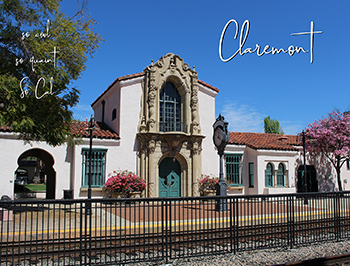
x=151 y=124
x=185 y=67
x=196 y=148
x=152 y=97
x=151 y=146
x=144 y=148
x=151 y=101
x=172 y=62
x=143 y=125
x=195 y=127
x=160 y=63
x=194 y=105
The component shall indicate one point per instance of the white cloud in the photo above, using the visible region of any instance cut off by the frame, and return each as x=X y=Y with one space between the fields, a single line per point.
x=82 y=111
x=243 y=118
x=292 y=127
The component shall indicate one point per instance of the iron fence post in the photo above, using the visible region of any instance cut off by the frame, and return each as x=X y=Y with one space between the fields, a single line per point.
x=337 y=216
x=169 y=232
x=166 y=231
x=90 y=222
x=81 y=234
x=233 y=225
x=291 y=224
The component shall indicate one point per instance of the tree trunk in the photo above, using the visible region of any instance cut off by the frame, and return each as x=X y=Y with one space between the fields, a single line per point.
x=338 y=175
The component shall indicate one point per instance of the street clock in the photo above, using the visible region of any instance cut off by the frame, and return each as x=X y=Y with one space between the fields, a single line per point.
x=220 y=139
x=220 y=135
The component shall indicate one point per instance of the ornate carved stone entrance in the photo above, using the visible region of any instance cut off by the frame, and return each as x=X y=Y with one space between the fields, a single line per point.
x=169 y=124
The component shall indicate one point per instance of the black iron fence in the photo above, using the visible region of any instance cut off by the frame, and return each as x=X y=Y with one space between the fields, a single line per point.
x=120 y=231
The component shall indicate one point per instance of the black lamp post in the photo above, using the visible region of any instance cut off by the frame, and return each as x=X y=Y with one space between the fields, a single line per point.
x=305 y=176
x=91 y=128
x=304 y=151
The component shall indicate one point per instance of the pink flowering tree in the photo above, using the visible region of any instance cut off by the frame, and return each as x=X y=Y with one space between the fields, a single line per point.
x=331 y=137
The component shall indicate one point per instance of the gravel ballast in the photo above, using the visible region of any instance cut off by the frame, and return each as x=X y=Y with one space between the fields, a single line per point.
x=273 y=256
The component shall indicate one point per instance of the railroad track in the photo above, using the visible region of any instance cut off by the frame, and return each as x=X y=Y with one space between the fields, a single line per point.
x=240 y=238
x=327 y=261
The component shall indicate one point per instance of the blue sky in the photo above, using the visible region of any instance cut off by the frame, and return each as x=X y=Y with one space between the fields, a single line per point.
x=287 y=88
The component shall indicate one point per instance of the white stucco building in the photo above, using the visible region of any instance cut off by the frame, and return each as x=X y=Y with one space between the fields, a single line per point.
x=158 y=123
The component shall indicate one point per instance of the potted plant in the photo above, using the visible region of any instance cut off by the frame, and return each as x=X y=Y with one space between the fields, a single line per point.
x=122 y=184
x=207 y=185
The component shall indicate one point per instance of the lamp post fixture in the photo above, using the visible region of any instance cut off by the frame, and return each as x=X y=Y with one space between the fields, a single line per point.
x=304 y=151
x=91 y=128
x=305 y=176
x=220 y=138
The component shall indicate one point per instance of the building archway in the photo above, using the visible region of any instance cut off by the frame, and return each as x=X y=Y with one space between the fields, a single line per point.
x=308 y=184
x=49 y=171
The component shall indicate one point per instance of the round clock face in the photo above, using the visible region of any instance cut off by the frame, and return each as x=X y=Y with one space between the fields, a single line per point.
x=218 y=137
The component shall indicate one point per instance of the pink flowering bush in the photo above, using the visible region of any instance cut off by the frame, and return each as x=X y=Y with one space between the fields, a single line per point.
x=207 y=182
x=124 y=182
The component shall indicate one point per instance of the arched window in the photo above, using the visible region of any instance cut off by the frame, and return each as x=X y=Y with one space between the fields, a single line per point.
x=114 y=114
x=170 y=109
x=269 y=175
x=280 y=175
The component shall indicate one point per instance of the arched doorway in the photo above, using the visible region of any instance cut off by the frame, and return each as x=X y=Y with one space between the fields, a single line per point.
x=169 y=178
x=46 y=172
x=309 y=184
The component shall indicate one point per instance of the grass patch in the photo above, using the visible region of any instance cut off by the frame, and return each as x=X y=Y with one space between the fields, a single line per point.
x=35 y=187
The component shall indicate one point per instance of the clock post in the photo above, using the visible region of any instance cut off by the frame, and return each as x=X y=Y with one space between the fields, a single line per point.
x=220 y=138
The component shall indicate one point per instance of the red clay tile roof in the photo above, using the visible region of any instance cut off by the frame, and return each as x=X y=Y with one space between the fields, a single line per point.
x=79 y=129
x=264 y=141
x=208 y=85
x=140 y=74
x=102 y=131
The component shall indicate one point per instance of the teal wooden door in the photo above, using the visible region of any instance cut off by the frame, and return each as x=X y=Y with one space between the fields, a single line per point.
x=169 y=178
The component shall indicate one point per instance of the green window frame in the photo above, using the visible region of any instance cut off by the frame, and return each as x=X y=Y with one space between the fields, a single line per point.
x=233 y=163
x=348 y=163
x=269 y=175
x=98 y=167
x=251 y=174
x=170 y=109
x=280 y=175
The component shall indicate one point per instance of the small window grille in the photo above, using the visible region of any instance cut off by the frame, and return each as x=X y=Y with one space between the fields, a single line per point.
x=98 y=167
x=280 y=175
x=170 y=109
x=251 y=174
x=233 y=168
x=269 y=175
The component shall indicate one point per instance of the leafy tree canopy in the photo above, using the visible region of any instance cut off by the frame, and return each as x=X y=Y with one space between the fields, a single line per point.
x=331 y=137
x=272 y=126
x=41 y=51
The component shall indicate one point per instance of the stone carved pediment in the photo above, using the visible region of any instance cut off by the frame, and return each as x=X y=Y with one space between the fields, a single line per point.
x=171 y=67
